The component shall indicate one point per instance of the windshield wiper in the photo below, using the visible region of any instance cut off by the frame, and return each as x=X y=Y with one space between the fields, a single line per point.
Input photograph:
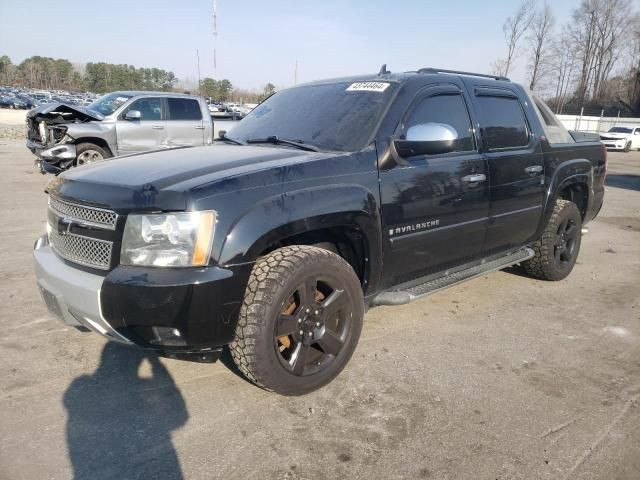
x=283 y=141
x=227 y=139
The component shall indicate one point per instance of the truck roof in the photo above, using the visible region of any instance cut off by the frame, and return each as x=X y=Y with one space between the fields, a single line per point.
x=401 y=77
x=134 y=93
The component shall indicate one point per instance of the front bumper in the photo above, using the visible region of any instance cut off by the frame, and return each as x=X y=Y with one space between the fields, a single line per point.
x=614 y=144
x=71 y=295
x=54 y=159
x=140 y=305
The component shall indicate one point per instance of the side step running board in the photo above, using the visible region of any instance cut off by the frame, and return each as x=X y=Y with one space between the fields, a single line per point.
x=400 y=297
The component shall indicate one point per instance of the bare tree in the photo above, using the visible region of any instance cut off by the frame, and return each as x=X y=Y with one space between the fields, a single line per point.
x=539 y=41
x=600 y=30
x=563 y=63
x=514 y=28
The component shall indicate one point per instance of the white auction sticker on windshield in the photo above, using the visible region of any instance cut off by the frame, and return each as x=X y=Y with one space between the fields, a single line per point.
x=368 y=87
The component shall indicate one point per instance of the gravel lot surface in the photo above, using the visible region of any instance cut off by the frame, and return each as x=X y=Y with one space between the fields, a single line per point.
x=503 y=377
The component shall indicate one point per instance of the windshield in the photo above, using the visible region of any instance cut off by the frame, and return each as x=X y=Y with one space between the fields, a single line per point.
x=620 y=130
x=337 y=116
x=109 y=103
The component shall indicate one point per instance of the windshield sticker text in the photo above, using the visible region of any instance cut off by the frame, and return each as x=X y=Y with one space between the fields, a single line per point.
x=368 y=87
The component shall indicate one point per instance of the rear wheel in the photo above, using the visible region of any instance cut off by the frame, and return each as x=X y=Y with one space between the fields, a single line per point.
x=300 y=321
x=557 y=250
x=88 y=153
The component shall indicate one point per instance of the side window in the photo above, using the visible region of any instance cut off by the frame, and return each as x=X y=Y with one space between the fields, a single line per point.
x=503 y=122
x=448 y=110
x=184 y=109
x=149 y=108
x=555 y=131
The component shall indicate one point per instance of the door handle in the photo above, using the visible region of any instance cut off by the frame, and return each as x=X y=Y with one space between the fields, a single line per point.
x=476 y=178
x=533 y=169
x=199 y=127
x=157 y=127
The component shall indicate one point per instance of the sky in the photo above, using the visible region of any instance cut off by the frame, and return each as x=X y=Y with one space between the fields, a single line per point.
x=259 y=41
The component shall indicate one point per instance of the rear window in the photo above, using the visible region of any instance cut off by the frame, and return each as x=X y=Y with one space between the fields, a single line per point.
x=184 y=109
x=554 y=129
x=503 y=122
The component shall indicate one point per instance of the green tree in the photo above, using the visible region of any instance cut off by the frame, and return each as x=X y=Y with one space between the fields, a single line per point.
x=209 y=88
x=269 y=89
x=224 y=90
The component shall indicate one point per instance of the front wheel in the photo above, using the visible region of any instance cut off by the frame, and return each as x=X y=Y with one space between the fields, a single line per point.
x=557 y=250
x=87 y=153
x=627 y=147
x=300 y=321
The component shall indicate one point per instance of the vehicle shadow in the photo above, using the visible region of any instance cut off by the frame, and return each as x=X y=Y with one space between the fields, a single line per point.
x=119 y=423
x=628 y=182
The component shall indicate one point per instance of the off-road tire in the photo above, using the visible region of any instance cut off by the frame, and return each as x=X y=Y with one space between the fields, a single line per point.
x=272 y=279
x=544 y=264
x=86 y=146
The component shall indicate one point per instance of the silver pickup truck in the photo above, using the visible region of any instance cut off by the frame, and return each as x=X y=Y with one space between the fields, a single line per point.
x=119 y=123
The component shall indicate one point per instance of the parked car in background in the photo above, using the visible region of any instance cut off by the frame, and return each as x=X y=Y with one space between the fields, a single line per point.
x=63 y=135
x=11 y=101
x=223 y=112
x=621 y=138
x=28 y=100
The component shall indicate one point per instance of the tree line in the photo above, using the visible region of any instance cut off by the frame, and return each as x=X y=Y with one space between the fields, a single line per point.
x=592 y=62
x=60 y=74
x=99 y=77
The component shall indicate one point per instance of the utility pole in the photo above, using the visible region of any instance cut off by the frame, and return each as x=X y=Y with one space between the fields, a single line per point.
x=198 y=60
x=215 y=34
x=295 y=74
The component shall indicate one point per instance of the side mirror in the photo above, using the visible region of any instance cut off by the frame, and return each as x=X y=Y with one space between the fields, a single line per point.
x=133 y=115
x=222 y=133
x=427 y=139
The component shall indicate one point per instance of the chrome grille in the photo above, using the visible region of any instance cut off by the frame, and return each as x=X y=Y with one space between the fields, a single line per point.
x=89 y=215
x=90 y=252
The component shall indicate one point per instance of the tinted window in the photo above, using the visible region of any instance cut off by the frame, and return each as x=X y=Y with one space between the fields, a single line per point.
x=149 y=108
x=555 y=131
x=503 y=122
x=184 y=109
x=336 y=116
x=445 y=109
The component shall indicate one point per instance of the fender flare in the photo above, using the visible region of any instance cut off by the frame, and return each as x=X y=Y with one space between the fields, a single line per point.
x=298 y=211
x=572 y=172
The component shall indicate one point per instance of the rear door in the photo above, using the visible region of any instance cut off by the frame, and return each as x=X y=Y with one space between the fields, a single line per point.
x=435 y=208
x=516 y=168
x=185 y=125
x=145 y=133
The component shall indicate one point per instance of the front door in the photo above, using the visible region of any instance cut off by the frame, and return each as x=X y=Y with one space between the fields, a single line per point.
x=143 y=134
x=516 y=169
x=435 y=207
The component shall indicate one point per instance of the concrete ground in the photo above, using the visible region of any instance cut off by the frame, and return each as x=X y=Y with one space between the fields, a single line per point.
x=502 y=377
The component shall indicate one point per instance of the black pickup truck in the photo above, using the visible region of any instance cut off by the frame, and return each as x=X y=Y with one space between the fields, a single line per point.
x=326 y=200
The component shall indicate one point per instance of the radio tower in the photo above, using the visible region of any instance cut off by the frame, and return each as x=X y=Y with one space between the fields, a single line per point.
x=215 y=33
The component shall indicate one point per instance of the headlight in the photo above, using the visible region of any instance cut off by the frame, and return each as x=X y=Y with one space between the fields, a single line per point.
x=168 y=240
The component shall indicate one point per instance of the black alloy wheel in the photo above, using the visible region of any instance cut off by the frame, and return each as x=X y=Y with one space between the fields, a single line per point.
x=311 y=329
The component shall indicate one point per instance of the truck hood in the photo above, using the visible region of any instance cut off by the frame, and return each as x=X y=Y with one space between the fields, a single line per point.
x=63 y=112
x=163 y=180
